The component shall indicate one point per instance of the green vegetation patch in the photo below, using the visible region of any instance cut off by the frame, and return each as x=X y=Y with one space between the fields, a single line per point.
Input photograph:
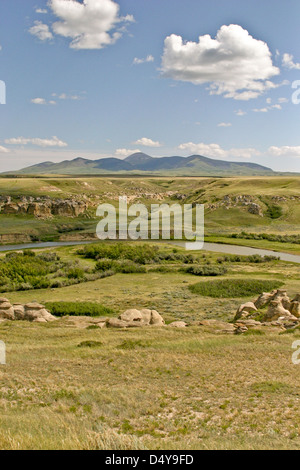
x=206 y=270
x=77 y=309
x=90 y=344
x=234 y=288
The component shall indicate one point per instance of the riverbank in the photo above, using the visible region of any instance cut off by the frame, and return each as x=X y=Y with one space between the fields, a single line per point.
x=213 y=247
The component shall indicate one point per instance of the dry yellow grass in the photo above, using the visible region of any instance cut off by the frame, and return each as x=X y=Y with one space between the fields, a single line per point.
x=150 y=388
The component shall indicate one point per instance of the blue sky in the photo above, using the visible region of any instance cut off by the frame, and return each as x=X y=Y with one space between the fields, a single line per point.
x=106 y=78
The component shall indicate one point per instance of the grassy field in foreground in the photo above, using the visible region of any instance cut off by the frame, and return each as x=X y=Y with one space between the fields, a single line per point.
x=68 y=386
x=153 y=389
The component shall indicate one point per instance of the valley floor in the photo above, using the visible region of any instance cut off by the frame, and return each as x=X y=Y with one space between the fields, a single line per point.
x=69 y=386
x=150 y=388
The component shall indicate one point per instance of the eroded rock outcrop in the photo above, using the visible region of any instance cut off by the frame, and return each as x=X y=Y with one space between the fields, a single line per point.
x=6 y=310
x=43 y=208
x=136 y=318
x=33 y=312
x=281 y=311
x=37 y=313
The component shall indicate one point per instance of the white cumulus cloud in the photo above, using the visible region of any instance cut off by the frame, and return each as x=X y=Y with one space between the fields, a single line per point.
x=53 y=142
x=125 y=152
x=288 y=62
x=216 y=151
x=285 y=151
x=91 y=24
x=234 y=64
x=147 y=142
x=41 y=31
x=3 y=149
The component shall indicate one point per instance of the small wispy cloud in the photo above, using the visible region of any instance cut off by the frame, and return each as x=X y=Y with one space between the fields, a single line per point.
x=41 y=31
x=240 y=112
x=288 y=62
x=42 y=101
x=137 y=61
x=225 y=124
x=41 y=11
x=53 y=142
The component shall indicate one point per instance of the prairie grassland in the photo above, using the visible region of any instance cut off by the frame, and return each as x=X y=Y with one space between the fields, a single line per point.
x=68 y=386
x=153 y=190
x=150 y=388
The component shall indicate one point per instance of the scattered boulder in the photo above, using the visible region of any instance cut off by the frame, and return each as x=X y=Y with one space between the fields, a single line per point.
x=156 y=319
x=215 y=326
x=134 y=318
x=295 y=309
x=131 y=316
x=281 y=295
x=116 y=323
x=240 y=329
x=19 y=311
x=264 y=299
x=295 y=306
x=245 y=309
x=37 y=313
x=281 y=310
x=276 y=311
x=146 y=316
x=6 y=310
x=178 y=324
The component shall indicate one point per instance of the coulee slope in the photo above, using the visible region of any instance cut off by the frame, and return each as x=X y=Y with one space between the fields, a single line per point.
x=140 y=163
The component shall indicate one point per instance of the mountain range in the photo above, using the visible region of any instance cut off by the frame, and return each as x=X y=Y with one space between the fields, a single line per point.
x=140 y=163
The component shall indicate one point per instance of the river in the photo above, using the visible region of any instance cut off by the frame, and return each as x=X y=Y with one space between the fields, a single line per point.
x=215 y=247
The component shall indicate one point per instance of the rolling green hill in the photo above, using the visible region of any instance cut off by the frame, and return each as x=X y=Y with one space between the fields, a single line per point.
x=140 y=163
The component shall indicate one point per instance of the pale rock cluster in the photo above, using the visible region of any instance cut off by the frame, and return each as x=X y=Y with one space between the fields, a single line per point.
x=274 y=309
x=33 y=312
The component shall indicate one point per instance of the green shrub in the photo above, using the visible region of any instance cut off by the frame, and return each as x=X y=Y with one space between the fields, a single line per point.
x=267 y=236
x=132 y=344
x=75 y=273
x=274 y=211
x=128 y=267
x=140 y=254
x=234 y=288
x=104 y=265
x=206 y=270
x=254 y=333
x=90 y=344
x=87 y=309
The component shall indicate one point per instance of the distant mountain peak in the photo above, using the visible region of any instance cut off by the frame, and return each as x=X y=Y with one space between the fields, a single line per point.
x=141 y=163
x=138 y=157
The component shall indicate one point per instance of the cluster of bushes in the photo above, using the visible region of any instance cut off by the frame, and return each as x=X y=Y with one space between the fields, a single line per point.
x=139 y=254
x=28 y=271
x=122 y=266
x=206 y=270
x=267 y=236
x=274 y=211
x=247 y=259
x=76 y=309
x=234 y=288
x=22 y=271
